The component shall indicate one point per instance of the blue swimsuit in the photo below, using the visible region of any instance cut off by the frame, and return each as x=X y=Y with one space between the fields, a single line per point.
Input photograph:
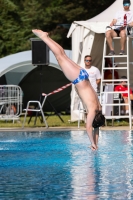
x=83 y=75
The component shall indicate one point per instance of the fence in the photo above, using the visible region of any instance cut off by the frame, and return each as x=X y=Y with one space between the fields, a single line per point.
x=10 y=102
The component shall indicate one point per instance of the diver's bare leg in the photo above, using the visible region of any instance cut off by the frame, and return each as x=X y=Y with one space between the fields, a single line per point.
x=61 y=49
x=70 y=69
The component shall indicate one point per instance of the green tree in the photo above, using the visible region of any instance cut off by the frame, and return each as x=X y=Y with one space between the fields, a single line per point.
x=8 y=26
x=18 y=18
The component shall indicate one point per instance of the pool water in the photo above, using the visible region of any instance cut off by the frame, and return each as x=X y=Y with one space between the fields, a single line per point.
x=59 y=165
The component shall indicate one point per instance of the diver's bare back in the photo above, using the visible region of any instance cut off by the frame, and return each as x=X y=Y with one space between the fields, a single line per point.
x=89 y=97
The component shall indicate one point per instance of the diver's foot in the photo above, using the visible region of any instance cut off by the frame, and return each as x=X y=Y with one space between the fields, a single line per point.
x=40 y=33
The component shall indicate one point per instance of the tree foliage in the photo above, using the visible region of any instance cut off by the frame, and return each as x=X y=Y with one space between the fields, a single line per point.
x=18 y=18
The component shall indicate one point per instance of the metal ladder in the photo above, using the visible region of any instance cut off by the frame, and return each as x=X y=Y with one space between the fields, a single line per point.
x=113 y=81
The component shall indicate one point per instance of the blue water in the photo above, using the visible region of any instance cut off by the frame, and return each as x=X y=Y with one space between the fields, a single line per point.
x=59 y=165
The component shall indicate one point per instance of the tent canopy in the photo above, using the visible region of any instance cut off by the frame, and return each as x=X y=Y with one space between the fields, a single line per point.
x=33 y=80
x=16 y=66
x=98 y=23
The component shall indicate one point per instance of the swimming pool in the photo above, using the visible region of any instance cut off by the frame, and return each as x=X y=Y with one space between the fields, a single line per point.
x=59 y=165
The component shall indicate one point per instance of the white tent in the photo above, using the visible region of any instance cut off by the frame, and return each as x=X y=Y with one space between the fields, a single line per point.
x=16 y=66
x=88 y=38
x=17 y=69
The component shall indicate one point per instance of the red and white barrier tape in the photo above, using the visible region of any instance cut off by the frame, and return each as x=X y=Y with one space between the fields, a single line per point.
x=58 y=90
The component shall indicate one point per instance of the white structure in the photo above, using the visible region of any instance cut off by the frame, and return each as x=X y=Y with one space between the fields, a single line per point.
x=17 y=66
x=88 y=38
x=18 y=70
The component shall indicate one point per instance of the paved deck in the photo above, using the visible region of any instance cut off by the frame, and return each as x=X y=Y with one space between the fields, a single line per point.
x=60 y=129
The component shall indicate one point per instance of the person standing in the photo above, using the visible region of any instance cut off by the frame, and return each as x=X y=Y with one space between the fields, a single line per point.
x=94 y=73
x=117 y=28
